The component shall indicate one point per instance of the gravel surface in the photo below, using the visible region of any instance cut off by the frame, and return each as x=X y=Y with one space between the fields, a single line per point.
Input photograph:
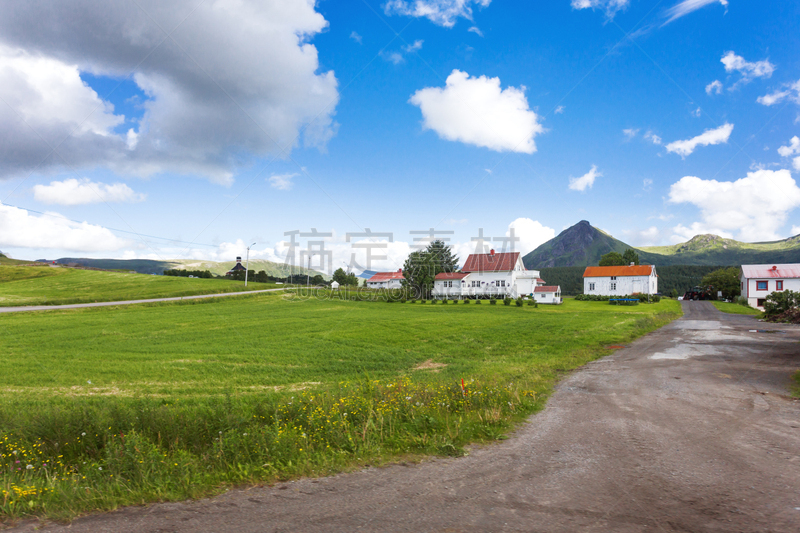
x=687 y=429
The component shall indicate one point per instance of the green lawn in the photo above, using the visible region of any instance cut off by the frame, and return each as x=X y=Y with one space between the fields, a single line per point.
x=735 y=309
x=40 y=285
x=169 y=401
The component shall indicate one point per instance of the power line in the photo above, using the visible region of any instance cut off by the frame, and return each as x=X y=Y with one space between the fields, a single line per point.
x=112 y=229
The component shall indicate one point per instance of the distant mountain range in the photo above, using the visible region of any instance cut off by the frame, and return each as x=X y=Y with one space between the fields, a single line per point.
x=583 y=245
x=146 y=266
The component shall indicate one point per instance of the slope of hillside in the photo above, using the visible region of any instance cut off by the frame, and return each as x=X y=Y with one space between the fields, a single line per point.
x=146 y=266
x=583 y=245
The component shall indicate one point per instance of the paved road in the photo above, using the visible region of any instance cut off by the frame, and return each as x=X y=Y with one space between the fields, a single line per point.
x=20 y=309
x=686 y=429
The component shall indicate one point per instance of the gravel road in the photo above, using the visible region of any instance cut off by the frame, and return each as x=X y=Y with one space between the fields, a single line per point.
x=686 y=429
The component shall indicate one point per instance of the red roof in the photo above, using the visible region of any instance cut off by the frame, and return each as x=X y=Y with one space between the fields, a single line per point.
x=547 y=288
x=602 y=272
x=504 y=262
x=771 y=271
x=386 y=276
x=451 y=275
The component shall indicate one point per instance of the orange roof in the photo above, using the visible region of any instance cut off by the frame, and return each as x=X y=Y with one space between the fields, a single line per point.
x=602 y=272
x=386 y=276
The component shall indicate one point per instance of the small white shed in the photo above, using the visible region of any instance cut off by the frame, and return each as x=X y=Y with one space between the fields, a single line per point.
x=335 y=285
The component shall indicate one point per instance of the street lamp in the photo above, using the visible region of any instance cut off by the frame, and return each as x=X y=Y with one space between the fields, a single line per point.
x=247 y=264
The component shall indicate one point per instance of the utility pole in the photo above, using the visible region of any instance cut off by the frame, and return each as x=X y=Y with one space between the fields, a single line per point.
x=308 y=273
x=247 y=264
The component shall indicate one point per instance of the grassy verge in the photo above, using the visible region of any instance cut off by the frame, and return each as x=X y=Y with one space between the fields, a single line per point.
x=43 y=285
x=736 y=309
x=107 y=407
x=795 y=389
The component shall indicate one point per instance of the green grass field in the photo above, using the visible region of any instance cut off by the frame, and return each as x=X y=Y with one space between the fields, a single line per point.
x=42 y=285
x=736 y=309
x=126 y=405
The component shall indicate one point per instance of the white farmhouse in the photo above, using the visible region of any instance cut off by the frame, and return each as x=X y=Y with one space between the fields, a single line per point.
x=492 y=275
x=386 y=280
x=548 y=294
x=620 y=280
x=759 y=281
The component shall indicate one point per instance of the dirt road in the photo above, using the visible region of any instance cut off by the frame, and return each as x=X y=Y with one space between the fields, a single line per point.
x=686 y=429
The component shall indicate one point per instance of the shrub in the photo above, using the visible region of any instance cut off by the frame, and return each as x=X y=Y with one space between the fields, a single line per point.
x=506 y=301
x=477 y=300
x=519 y=301
x=493 y=301
x=533 y=303
x=466 y=300
x=780 y=302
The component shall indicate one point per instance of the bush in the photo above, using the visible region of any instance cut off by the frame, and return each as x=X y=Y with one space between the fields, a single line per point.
x=533 y=303
x=519 y=301
x=466 y=300
x=493 y=301
x=780 y=302
x=506 y=301
x=477 y=300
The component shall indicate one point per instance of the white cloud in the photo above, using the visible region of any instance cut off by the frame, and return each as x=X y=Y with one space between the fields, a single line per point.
x=792 y=149
x=356 y=37
x=647 y=184
x=697 y=112
x=753 y=208
x=712 y=136
x=282 y=182
x=652 y=137
x=558 y=110
x=647 y=237
x=83 y=191
x=715 y=87
x=441 y=12
x=748 y=69
x=630 y=133
x=531 y=234
x=477 y=111
x=256 y=53
x=476 y=30
x=611 y=7
x=587 y=180
x=416 y=45
x=688 y=6
x=21 y=229
x=791 y=91
x=795 y=230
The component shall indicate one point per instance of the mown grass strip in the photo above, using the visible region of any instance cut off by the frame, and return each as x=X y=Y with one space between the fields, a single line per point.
x=43 y=285
x=736 y=309
x=120 y=406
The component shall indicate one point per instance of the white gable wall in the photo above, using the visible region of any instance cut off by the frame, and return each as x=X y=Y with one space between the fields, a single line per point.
x=621 y=285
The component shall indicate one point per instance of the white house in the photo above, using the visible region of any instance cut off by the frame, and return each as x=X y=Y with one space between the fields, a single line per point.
x=620 y=280
x=492 y=275
x=386 y=280
x=547 y=294
x=758 y=281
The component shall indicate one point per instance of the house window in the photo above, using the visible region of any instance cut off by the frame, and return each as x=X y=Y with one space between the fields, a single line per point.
x=613 y=285
x=613 y=278
x=779 y=285
x=760 y=302
x=591 y=286
x=761 y=285
x=501 y=283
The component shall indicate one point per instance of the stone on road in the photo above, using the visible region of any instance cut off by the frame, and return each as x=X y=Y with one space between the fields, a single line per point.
x=686 y=429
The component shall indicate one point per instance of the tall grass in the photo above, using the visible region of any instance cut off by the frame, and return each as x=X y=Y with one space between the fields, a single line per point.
x=178 y=409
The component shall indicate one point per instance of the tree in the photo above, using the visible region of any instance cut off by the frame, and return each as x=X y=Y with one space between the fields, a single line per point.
x=630 y=257
x=421 y=267
x=725 y=280
x=340 y=276
x=612 y=259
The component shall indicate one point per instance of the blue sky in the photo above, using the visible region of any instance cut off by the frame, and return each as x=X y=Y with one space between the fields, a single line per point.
x=214 y=124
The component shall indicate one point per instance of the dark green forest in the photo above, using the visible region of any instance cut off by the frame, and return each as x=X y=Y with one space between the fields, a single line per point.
x=678 y=277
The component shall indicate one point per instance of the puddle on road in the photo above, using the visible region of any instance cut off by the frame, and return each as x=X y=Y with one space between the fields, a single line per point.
x=685 y=351
x=700 y=324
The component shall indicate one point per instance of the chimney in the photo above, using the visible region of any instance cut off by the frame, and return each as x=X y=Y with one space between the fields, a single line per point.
x=400 y=270
x=632 y=263
x=491 y=252
x=774 y=268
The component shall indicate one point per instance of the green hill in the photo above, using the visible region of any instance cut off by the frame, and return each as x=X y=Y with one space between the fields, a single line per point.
x=146 y=266
x=582 y=245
